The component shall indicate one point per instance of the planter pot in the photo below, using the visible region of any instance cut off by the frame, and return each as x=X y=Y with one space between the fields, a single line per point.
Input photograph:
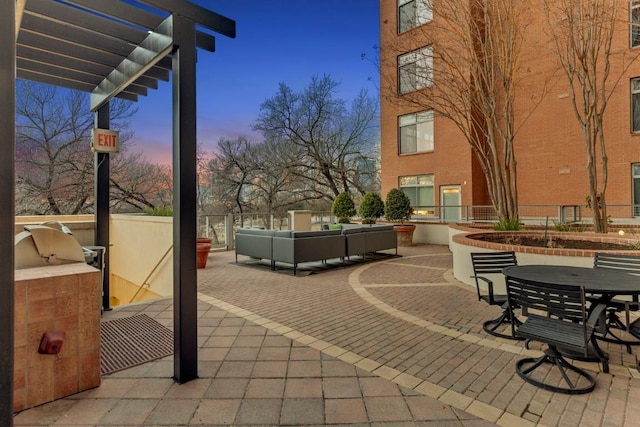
x=202 y=254
x=405 y=234
x=205 y=240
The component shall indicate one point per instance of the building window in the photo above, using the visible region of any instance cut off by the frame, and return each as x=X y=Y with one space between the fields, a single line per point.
x=413 y=13
x=635 y=105
x=415 y=70
x=419 y=189
x=416 y=132
x=635 y=23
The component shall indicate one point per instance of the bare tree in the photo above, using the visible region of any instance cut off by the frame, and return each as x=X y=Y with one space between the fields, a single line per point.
x=54 y=162
x=231 y=171
x=331 y=141
x=583 y=32
x=276 y=186
x=136 y=184
x=463 y=65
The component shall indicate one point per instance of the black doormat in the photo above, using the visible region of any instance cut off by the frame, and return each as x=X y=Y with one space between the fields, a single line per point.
x=131 y=341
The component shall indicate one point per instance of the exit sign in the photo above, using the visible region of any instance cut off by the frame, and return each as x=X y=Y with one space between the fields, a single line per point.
x=105 y=141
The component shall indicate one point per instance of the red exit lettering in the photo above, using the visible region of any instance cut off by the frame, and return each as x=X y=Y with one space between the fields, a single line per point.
x=106 y=140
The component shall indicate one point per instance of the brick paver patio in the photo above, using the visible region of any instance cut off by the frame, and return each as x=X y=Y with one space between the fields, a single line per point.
x=396 y=341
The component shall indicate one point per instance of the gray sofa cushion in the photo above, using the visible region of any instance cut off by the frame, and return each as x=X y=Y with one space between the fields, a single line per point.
x=362 y=239
x=315 y=233
x=378 y=240
x=282 y=233
x=350 y=226
x=254 y=242
x=312 y=248
x=254 y=231
x=352 y=230
x=376 y=227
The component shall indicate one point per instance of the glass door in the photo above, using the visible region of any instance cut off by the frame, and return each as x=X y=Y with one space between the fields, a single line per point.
x=450 y=197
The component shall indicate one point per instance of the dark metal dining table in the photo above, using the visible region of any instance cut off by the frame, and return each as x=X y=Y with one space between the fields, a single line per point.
x=597 y=281
x=603 y=283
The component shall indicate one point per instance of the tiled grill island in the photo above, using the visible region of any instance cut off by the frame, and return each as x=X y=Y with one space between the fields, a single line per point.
x=62 y=298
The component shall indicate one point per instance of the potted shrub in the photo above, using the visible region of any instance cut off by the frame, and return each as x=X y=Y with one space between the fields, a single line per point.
x=343 y=207
x=371 y=208
x=397 y=207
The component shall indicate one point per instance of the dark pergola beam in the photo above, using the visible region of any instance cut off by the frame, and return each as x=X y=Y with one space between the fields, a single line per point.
x=8 y=26
x=40 y=55
x=61 y=31
x=120 y=10
x=65 y=48
x=69 y=84
x=68 y=62
x=136 y=16
x=75 y=17
x=205 y=41
x=205 y=17
x=152 y=49
x=71 y=74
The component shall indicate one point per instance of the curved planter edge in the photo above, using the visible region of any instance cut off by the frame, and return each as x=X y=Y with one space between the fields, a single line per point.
x=461 y=245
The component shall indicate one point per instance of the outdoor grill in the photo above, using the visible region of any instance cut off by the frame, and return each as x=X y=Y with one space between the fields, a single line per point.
x=49 y=243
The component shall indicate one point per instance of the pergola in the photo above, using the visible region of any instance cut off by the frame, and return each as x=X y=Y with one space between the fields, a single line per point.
x=109 y=48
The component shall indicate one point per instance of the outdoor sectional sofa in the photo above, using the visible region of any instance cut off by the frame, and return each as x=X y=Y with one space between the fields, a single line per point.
x=294 y=247
x=364 y=239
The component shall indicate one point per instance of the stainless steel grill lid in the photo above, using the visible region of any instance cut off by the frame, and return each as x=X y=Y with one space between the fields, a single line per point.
x=41 y=245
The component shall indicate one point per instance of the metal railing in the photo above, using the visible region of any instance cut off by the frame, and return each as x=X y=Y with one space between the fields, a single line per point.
x=214 y=226
x=526 y=213
x=218 y=226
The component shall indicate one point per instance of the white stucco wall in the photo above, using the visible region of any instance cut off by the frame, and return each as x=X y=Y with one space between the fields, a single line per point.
x=138 y=243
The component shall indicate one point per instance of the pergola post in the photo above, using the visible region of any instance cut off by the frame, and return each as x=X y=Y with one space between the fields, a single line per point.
x=185 y=280
x=101 y=191
x=68 y=44
x=7 y=213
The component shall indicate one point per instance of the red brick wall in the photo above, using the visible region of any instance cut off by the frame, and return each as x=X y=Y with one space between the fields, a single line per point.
x=549 y=146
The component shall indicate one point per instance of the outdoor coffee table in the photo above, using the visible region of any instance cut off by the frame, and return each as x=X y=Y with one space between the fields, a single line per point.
x=600 y=282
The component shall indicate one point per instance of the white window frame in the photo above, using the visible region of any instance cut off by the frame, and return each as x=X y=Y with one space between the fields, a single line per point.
x=415 y=70
x=634 y=23
x=411 y=185
x=422 y=14
x=422 y=132
x=635 y=105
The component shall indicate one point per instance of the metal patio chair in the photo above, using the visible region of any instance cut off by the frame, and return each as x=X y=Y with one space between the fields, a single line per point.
x=613 y=322
x=557 y=316
x=486 y=263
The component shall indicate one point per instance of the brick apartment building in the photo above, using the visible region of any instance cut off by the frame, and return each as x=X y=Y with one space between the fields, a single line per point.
x=427 y=156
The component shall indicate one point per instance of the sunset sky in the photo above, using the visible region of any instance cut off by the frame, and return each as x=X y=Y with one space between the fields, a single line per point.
x=277 y=41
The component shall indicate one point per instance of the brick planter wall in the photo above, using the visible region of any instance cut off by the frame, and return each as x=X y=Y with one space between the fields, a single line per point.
x=462 y=243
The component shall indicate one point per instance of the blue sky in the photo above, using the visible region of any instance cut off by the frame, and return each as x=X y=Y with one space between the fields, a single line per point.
x=276 y=41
